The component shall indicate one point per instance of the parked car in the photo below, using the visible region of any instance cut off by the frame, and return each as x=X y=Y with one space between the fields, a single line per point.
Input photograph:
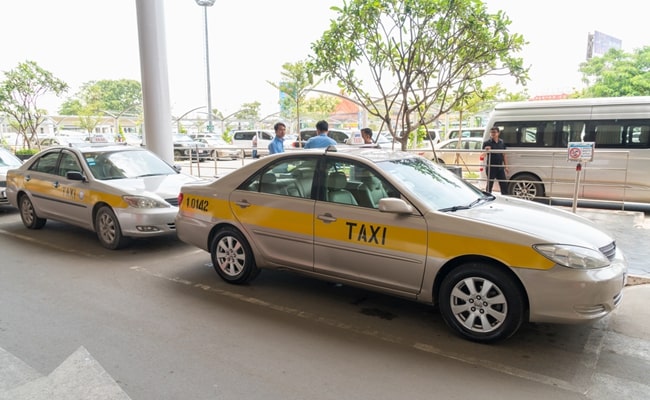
x=465 y=152
x=340 y=136
x=396 y=223
x=118 y=192
x=50 y=141
x=185 y=147
x=243 y=139
x=7 y=161
x=466 y=132
x=220 y=149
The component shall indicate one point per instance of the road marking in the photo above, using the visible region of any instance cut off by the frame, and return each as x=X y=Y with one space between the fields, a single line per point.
x=50 y=245
x=428 y=348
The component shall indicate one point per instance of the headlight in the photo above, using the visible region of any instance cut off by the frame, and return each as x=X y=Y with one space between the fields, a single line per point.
x=144 y=202
x=573 y=256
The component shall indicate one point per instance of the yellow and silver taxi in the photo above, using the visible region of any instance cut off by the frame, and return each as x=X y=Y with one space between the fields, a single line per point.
x=399 y=224
x=117 y=191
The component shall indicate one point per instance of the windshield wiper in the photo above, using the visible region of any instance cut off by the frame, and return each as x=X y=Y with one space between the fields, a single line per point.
x=454 y=208
x=470 y=205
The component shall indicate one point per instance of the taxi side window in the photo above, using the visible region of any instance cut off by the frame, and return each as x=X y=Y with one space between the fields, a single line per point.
x=46 y=163
x=292 y=177
x=68 y=163
x=355 y=184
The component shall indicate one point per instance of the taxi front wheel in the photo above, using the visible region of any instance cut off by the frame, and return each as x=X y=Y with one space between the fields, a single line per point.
x=108 y=229
x=232 y=257
x=28 y=214
x=481 y=302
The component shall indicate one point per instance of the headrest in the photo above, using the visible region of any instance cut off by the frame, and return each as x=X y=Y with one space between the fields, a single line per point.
x=268 y=178
x=336 y=180
x=372 y=182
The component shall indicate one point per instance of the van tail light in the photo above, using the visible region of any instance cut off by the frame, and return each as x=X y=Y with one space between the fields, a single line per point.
x=482 y=162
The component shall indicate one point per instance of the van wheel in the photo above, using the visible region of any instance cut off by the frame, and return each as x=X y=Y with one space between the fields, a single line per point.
x=526 y=186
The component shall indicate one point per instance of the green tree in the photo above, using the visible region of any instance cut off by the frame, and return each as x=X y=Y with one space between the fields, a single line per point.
x=296 y=81
x=423 y=56
x=115 y=98
x=249 y=112
x=19 y=93
x=617 y=74
x=320 y=107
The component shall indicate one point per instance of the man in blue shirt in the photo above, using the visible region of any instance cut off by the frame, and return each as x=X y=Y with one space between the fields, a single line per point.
x=277 y=144
x=321 y=139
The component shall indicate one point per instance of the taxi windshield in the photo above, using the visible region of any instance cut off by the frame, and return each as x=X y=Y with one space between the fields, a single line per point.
x=126 y=164
x=439 y=188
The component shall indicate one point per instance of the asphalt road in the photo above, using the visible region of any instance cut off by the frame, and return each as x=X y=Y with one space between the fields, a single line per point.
x=160 y=323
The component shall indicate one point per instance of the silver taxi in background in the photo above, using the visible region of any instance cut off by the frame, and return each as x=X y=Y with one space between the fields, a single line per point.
x=7 y=161
x=396 y=223
x=117 y=191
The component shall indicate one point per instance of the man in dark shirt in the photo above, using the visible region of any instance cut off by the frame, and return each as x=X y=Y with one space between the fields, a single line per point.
x=496 y=161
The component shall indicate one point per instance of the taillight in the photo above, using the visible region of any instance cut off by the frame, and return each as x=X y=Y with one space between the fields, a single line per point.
x=481 y=160
x=180 y=199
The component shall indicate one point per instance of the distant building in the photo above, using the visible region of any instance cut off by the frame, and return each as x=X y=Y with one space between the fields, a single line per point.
x=599 y=43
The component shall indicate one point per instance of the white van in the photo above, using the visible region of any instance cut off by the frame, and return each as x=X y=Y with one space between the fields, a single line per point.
x=243 y=139
x=537 y=133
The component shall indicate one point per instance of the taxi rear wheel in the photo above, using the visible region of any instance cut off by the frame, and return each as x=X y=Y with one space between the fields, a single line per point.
x=232 y=257
x=481 y=303
x=108 y=229
x=28 y=214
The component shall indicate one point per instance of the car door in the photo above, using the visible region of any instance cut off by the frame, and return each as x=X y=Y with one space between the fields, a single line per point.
x=276 y=208
x=355 y=241
x=72 y=204
x=53 y=195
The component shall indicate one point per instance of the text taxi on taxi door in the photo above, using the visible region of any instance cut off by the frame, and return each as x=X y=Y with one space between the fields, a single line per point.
x=396 y=223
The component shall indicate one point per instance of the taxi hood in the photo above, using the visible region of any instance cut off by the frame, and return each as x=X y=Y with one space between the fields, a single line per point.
x=545 y=223
x=165 y=186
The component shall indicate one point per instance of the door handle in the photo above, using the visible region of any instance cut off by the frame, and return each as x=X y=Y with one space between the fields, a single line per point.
x=327 y=218
x=56 y=184
x=243 y=203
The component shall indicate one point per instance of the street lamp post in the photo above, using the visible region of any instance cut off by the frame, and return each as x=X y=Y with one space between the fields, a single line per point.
x=205 y=4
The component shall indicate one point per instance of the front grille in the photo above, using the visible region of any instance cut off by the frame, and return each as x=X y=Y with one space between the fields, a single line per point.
x=609 y=251
x=173 y=201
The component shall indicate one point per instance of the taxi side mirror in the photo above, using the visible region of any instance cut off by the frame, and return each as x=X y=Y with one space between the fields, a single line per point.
x=75 y=176
x=394 y=205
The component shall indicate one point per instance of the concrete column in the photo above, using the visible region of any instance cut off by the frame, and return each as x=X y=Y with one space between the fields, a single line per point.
x=155 y=81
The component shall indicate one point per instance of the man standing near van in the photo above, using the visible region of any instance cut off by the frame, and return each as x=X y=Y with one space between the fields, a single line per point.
x=277 y=144
x=321 y=139
x=496 y=161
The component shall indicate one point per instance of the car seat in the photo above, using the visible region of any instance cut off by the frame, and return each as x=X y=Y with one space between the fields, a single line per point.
x=336 y=191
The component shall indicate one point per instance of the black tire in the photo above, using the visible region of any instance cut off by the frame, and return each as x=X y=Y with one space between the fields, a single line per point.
x=232 y=257
x=28 y=214
x=481 y=303
x=108 y=229
x=526 y=186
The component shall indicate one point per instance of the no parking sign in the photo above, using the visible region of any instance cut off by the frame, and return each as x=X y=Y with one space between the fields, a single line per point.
x=581 y=151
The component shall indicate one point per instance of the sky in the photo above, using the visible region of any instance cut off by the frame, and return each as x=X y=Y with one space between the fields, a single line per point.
x=249 y=41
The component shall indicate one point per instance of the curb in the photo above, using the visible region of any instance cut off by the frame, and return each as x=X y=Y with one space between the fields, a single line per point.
x=637 y=280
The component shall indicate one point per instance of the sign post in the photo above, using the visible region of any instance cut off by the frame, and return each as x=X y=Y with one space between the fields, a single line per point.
x=579 y=152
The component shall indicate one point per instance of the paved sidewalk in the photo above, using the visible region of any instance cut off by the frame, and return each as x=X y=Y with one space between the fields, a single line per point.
x=631 y=229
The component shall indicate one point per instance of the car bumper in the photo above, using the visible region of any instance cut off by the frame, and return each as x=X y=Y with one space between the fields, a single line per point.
x=565 y=295
x=147 y=222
